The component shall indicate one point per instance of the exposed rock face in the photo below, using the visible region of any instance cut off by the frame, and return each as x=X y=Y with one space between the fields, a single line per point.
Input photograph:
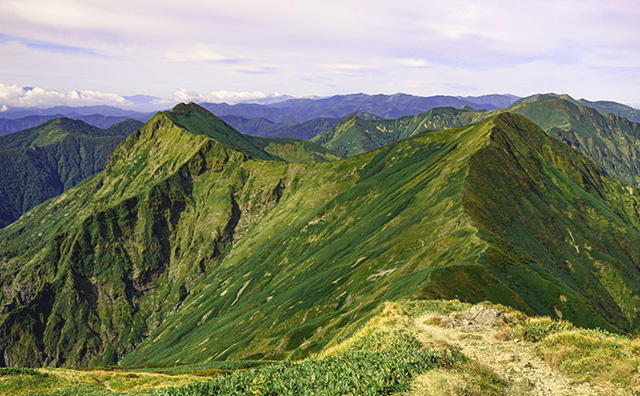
x=478 y=316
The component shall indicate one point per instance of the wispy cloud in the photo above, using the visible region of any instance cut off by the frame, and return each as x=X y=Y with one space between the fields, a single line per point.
x=47 y=46
x=327 y=47
x=196 y=53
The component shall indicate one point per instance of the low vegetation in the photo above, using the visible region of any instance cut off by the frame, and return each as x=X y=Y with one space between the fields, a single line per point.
x=595 y=356
x=385 y=356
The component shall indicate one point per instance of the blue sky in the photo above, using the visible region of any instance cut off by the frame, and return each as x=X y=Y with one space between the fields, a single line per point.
x=97 y=52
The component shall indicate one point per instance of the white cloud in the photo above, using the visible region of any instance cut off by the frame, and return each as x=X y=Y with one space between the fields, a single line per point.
x=3 y=108
x=183 y=95
x=15 y=96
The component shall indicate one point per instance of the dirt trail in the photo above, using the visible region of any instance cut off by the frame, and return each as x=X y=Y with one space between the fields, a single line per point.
x=513 y=360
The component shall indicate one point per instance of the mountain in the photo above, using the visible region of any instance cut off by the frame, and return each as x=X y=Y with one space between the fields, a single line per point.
x=485 y=101
x=384 y=106
x=70 y=112
x=17 y=119
x=195 y=244
x=302 y=130
x=42 y=162
x=611 y=141
x=295 y=150
x=18 y=124
x=604 y=107
x=356 y=136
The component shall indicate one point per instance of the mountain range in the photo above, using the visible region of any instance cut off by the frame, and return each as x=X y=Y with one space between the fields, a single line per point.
x=199 y=243
x=383 y=106
x=271 y=117
x=610 y=140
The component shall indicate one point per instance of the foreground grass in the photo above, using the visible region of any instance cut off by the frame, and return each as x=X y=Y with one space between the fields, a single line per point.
x=95 y=382
x=379 y=360
x=383 y=357
x=595 y=356
x=585 y=355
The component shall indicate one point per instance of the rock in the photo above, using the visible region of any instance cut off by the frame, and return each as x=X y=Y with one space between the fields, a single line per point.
x=478 y=316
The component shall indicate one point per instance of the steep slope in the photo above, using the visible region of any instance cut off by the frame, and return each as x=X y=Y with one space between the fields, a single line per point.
x=356 y=135
x=610 y=141
x=42 y=162
x=411 y=223
x=187 y=250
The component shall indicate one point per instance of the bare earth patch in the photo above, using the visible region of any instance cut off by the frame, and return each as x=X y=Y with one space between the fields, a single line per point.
x=481 y=334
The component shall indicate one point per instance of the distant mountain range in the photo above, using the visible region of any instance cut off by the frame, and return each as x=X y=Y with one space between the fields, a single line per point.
x=17 y=119
x=384 y=106
x=290 y=113
x=198 y=243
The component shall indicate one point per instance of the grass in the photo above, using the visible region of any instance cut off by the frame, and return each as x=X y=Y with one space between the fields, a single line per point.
x=191 y=251
x=596 y=356
x=383 y=357
x=91 y=381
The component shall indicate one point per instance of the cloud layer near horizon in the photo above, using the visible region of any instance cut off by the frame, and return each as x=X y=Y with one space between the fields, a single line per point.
x=15 y=96
x=164 y=48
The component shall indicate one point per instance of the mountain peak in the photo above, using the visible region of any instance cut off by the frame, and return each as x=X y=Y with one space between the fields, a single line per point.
x=186 y=109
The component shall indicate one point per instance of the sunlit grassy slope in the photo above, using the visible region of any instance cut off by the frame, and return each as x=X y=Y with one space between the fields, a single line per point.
x=396 y=350
x=197 y=245
x=610 y=140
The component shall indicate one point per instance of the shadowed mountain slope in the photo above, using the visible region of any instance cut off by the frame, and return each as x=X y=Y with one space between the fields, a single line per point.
x=185 y=249
x=612 y=142
x=42 y=162
x=356 y=135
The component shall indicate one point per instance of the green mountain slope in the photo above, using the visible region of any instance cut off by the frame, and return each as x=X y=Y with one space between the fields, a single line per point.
x=610 y=141
x=295 y=150
x=356 y=135
x=42 y=162
x=602 y=106
x=186 y=250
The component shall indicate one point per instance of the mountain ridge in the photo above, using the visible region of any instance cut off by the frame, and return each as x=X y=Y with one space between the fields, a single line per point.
x=185 y=249
x=42 y=162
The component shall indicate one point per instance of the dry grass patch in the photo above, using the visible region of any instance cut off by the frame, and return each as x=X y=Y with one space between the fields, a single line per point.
x=595 y=356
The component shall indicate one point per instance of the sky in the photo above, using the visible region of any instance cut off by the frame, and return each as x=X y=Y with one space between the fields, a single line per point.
x=69 y=52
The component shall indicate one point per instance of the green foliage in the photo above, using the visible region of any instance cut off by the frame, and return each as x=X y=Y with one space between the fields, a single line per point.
x=42 y=162
x=295 y=150
x=80 y=390
x=21 y=371
x=381 y=363
x=356 y=135
x=536 y=329
x=609 y=140
x=189 y=250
